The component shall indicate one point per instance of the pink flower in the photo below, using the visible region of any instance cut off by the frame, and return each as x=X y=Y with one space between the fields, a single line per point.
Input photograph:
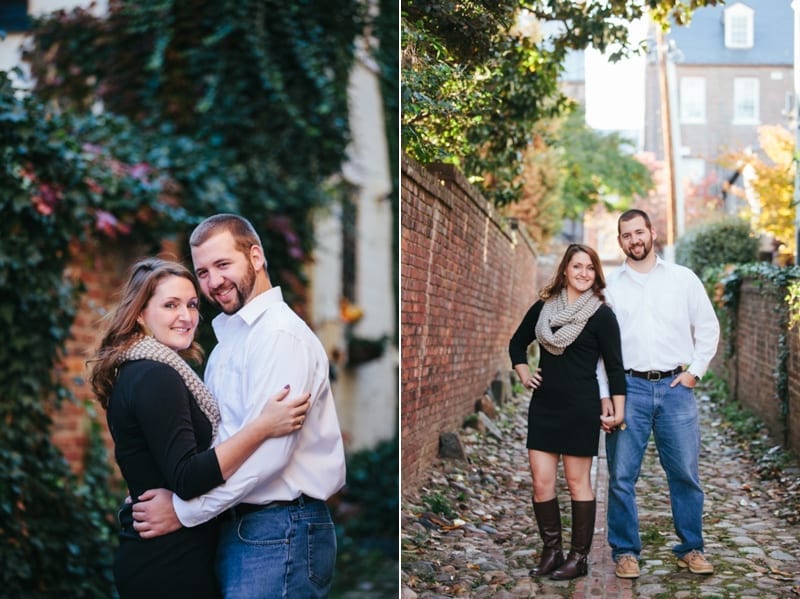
x=46 y=198
x=107 y=223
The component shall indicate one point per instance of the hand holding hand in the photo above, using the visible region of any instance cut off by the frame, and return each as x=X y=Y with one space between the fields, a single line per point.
x=612 y=423
x=611 y=420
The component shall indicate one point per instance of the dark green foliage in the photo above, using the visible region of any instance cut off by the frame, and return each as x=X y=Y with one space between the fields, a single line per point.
x=243 y=103
x=370 y=537
x=728 y=241
x=55 y=533
x=372 y=483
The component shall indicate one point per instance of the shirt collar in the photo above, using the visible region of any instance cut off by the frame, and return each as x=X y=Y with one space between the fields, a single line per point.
x=625 y=267
x=251 y=311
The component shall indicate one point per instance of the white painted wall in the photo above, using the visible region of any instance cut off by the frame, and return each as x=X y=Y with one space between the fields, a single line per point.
x=367 y=395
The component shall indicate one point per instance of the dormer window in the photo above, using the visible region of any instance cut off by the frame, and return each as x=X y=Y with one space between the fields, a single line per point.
x=739 y=20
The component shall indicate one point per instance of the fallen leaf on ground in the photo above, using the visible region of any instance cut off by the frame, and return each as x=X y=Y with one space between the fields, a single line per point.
x=781 y=573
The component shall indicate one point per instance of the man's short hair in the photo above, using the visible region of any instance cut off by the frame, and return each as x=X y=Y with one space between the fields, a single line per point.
x=243 y=233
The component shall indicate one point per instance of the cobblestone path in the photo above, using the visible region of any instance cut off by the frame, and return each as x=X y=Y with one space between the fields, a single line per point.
x=488 y=541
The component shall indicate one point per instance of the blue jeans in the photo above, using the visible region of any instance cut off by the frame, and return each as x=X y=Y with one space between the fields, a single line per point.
x=278 y=552
x=671 y=414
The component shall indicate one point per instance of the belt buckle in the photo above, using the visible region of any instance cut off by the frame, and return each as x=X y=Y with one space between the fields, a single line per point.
x=653 y=376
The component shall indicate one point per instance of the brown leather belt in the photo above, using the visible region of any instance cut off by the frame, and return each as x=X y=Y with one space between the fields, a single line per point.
x=248 y=508
x=655 y=375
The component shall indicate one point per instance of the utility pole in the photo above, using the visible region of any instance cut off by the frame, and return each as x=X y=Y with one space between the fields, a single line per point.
x=666 y=133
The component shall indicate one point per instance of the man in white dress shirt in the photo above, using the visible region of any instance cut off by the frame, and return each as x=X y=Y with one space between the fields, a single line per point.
x=277 y=536
x=669 y=335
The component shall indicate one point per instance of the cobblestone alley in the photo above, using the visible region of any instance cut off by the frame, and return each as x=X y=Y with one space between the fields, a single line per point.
x=468 y=531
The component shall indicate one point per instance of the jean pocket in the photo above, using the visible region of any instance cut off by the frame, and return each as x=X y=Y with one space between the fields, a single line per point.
x=321 y=552
x=263 y=528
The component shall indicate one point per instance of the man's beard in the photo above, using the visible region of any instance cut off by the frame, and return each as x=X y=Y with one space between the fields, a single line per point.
x=648 y=247
x=243 y=291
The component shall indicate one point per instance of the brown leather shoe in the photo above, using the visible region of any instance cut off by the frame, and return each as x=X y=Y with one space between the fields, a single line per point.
x=696 y=562
x=627 y=566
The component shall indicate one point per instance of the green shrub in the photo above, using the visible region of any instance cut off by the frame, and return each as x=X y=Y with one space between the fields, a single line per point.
x=372 y=483
x=368 y=540
x=729 y=241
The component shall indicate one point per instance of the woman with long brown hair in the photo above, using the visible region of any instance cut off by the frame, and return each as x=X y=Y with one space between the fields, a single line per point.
x=574 y=328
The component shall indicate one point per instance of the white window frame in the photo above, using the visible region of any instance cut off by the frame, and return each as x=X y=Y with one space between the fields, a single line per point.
x=739 y=26
x=746 y=91
x=693 y=100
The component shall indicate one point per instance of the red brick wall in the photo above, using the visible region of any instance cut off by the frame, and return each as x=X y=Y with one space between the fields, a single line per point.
x=751 y=370
x=103 y=271
x=467 y=280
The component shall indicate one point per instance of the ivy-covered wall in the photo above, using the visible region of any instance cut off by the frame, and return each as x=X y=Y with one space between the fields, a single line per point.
x=759 y=352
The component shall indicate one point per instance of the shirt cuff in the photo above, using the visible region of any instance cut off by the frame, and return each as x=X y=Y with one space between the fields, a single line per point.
x=186 y=515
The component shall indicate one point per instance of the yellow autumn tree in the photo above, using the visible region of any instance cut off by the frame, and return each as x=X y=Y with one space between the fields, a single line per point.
x=769 y=184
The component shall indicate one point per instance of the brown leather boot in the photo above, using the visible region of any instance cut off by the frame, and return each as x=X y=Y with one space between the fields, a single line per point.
x=548 y=518
x=583 y=513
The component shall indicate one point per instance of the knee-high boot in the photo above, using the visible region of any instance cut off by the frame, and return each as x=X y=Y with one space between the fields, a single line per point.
x=583 y=513
x=548 y=519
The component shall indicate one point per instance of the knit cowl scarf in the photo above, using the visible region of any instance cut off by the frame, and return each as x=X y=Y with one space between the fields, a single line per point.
x=147 y=348
x=568 y=320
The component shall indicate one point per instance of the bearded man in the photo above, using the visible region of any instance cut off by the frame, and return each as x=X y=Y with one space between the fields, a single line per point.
x=669 y=334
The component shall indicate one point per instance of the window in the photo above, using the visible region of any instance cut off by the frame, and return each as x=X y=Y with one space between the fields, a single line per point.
x=693 y=100
x=745 y=101
x=739 y=27
x=693 y=170
x=14 y=15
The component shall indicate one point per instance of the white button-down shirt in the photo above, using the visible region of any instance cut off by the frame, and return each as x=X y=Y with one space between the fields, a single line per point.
x=263 y=347
x=665 y=318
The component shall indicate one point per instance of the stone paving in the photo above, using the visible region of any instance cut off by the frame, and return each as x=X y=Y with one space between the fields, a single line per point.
x=468 y=531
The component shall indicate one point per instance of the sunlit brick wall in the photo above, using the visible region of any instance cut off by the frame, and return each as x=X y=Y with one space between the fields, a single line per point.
x=467 y=279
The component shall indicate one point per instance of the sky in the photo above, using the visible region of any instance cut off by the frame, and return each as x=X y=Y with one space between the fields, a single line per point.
x=615 y=92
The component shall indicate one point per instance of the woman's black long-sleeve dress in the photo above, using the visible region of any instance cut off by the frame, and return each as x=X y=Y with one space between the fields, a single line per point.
x=161 y=440
x=564 y=413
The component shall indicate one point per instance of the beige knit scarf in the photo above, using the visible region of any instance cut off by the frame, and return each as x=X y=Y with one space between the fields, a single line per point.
x=568 y=319
x=147 y=348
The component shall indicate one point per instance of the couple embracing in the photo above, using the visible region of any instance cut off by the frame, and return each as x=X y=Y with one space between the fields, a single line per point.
x=228 y=478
